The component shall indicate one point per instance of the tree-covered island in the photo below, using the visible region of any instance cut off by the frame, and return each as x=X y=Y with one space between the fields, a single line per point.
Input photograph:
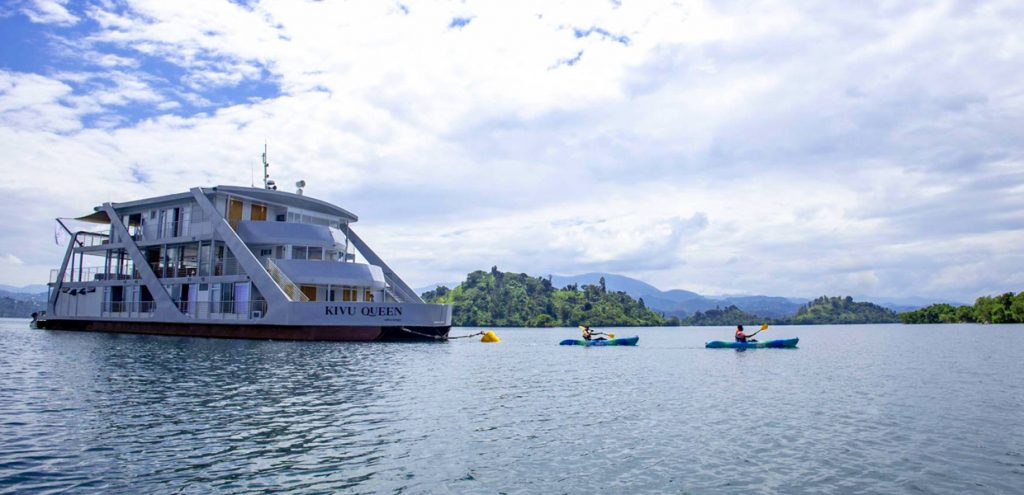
x=1004 y=308
x=502 y=299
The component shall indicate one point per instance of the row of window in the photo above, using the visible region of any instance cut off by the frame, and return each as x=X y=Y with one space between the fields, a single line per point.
x=337 y=293
x=298 y=253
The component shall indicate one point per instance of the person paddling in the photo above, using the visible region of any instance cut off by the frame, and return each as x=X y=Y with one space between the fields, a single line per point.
x=588 y=335
x=742 y=337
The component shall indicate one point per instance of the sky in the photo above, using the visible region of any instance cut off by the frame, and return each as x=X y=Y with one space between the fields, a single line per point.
x=777 y=147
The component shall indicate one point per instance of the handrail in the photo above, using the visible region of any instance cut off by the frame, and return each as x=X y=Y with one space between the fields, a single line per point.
x=91 y=239
x=90 y=274
x=201 y=310
x=287 y=286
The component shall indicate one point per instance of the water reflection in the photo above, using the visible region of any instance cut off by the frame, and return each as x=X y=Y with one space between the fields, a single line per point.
x=175 y=412
x=871 y=412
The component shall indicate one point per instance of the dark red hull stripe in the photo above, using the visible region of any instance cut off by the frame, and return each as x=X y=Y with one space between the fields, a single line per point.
x=262 y=332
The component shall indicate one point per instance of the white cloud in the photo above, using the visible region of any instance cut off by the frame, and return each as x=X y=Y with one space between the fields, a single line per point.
x=769 y=147
x=49 y=12
x=29 y=101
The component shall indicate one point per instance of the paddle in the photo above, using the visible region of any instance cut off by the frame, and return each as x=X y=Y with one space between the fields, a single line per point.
x=764 y=327
x=609 y=334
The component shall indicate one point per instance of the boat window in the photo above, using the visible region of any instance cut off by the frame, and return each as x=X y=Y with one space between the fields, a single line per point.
x=299 y=217
x=315 y=253
x=234 y=212
x=204 y=258
x=226 y=298
x=299 y=252
x=258 y=213
x=309 y=291
x=368 y=296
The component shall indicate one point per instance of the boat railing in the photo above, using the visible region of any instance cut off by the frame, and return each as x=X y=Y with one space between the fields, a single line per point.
x=91 y=239
x=227 y=266
x=223 y=310
x=180 y=271
x=291 y=290
x=203 y=310
x=128 y=309
x=88 y=274
x=85 y=238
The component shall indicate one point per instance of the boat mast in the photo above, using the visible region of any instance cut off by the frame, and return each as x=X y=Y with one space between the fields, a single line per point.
x=268 y=183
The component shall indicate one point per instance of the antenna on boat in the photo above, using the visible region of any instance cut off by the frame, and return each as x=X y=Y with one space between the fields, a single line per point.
x=300 y=184
x=268 y=183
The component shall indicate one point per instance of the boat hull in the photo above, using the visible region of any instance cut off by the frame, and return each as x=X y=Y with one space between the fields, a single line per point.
x=776 y=344
x=250 y=331
x=599 y=343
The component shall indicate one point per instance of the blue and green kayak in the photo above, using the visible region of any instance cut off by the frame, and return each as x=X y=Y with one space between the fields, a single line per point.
x=778 y=344
x=588 y=343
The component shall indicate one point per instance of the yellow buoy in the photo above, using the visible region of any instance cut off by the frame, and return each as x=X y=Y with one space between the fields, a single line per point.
x=490 y=336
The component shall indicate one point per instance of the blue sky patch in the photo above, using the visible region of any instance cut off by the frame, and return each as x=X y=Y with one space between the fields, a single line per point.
x=62 y=52
x=618 y=38
x=138 y=175
x=569 y=61
x=459 y=22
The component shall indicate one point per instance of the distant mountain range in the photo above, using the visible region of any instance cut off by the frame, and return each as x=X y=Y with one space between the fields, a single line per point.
x=16 y=304
x=683 y=303
x=28 y=289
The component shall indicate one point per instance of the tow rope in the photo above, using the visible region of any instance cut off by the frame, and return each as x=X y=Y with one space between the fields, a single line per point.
x=489 y=335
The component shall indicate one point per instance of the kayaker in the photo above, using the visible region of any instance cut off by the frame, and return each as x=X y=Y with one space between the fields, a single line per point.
x=742 y=337
x=588 y=335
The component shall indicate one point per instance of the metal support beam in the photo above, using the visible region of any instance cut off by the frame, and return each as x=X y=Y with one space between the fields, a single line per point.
x=271 y=292
x=397 y=284
x=165 y=308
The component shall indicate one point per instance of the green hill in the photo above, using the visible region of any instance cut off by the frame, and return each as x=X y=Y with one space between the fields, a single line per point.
x=821 y=311
x=518 y=300
x=839 y=310
x=730 y=315
x=1004 y=308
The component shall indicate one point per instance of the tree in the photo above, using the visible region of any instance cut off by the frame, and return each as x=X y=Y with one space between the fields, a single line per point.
x=1017 y=308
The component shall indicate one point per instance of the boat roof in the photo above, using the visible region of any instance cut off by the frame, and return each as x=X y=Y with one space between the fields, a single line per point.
x=257 y=193
x=289 y=199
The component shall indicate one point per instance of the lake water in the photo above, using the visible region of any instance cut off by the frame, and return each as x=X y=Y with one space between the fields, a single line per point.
x=856 y=409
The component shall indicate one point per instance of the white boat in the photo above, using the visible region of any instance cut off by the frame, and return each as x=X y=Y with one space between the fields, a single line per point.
x=233 y=262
